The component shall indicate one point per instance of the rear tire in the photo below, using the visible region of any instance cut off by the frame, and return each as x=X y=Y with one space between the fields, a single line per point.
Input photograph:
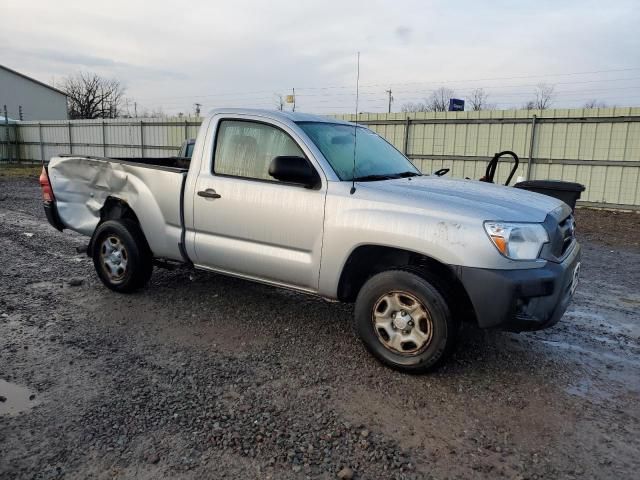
x=121 y=255
x=403 y=319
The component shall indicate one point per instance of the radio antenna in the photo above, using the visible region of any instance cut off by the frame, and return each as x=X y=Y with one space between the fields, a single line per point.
x=355 y=129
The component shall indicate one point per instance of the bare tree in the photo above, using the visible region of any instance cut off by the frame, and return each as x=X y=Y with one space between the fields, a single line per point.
x=438 y=101
x=544 y=95
x=92 y=96
x=132 y=109
x=413 y=107
x=479 y=100
x=593 y=103
x=152 y=113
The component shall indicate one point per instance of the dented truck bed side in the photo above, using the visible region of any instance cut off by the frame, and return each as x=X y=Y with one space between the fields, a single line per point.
x=82 y=186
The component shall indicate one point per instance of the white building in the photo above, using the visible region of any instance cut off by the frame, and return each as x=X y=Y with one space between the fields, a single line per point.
x=38 y=100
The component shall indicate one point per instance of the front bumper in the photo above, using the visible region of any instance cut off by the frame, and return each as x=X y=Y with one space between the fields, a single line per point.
x=521 y=300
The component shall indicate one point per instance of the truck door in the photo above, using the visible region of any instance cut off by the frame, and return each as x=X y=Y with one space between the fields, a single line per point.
x=246 y=222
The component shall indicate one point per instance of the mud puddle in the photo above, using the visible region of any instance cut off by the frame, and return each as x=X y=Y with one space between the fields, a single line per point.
x=15 y=398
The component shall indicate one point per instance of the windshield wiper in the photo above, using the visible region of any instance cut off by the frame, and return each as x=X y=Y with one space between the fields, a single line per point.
x=372 y=178
x=388 y=176
x=408 y=174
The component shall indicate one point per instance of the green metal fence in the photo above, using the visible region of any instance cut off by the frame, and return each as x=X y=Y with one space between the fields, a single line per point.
x=599 y=148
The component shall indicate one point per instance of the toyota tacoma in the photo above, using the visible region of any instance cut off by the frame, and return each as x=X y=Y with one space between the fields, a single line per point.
x=328 y=208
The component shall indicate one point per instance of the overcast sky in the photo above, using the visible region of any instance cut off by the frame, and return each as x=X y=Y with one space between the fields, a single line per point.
x=171 y=54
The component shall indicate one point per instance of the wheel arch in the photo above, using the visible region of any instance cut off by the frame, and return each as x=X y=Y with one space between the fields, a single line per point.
x=368 y=260
x=115 y=208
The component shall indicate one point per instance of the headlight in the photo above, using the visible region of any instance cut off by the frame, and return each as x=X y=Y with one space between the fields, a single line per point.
x=518 y=241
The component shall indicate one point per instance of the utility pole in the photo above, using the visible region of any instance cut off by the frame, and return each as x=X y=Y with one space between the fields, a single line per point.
x=135 y=109
x=102 y=102
x=390 y=98
x=294 y=99
x=197 y=105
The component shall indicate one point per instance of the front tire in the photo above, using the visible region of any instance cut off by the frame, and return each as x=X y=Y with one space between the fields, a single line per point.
x=404 y=320
x=121 y=256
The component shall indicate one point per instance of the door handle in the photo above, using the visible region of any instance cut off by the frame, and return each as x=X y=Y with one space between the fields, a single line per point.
x=209 y=193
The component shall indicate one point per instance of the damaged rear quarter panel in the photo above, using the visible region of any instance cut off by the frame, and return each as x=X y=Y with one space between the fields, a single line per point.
x=81 y=186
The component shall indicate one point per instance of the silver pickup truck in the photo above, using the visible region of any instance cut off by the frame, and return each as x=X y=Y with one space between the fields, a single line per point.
x=328 y=208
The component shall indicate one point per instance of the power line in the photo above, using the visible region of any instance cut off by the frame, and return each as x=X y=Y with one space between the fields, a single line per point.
x=532 y=85
x=556 y=93
x=578 y=100
x=433 y=82
x=331 y=102
x=267 y=102
x=327 y=102
x=436 y=82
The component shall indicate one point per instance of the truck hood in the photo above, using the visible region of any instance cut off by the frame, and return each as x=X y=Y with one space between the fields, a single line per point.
x=481 y=200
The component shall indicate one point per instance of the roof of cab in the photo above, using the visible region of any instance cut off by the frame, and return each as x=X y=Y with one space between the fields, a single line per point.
x=278 y=115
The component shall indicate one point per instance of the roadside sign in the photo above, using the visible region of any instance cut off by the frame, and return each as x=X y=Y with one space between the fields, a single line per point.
x=456 y=105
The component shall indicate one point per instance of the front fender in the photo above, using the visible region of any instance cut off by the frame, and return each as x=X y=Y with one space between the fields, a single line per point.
x=450 y=237
x=347 y=229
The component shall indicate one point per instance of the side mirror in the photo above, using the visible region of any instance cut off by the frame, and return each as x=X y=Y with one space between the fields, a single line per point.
x=293 y=169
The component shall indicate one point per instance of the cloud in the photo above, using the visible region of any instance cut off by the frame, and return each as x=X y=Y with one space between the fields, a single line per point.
x=89 y=62
x=403 y=33
x=68 y=58
x=242 y=52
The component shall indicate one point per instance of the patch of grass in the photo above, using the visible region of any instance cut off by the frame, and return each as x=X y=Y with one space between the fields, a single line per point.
x=17 y=171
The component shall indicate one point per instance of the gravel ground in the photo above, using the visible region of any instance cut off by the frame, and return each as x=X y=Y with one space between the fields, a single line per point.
x=202 y=376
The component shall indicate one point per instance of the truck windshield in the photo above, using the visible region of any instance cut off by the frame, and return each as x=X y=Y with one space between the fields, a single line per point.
x=375 y=158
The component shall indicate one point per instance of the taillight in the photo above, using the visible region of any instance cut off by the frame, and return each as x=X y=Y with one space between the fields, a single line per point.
x=45 y=185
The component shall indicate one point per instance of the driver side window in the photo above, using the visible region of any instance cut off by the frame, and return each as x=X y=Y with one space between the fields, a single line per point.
x=246 y=149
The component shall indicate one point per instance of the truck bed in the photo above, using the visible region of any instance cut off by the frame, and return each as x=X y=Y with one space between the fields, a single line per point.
x=180 y=163
x=153 y=187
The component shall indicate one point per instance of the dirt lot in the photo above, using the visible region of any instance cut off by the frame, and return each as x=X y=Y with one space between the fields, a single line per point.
x=202 y=376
